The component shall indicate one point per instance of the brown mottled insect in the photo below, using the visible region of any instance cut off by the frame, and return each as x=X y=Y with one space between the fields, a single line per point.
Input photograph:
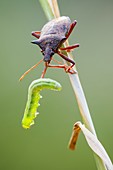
x=50 y=40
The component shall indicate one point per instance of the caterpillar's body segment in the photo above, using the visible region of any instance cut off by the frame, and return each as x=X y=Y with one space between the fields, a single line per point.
x=34 y=96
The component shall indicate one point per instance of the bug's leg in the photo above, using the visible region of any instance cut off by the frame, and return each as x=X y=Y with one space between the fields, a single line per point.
x=57 y=66
x=66 y=68
x=36 y=34
x=71 y=28
x=60 y=65
x=57 y=61
x=30 y=70
x=52 y=66
x=69 y=60
x=69 y=48
x=44 y=71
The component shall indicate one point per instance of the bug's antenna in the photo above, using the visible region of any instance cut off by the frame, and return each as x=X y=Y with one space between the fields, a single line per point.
x=30 y=70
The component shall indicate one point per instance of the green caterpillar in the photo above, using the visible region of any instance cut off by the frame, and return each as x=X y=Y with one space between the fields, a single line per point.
x=33 y=98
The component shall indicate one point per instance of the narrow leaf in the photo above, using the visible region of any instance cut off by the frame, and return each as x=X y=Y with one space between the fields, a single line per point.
x=47 y=9
x=92 y=141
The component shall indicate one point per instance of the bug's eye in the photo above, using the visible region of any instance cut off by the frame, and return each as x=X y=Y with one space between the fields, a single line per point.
x=42 y=52
x=52 y=53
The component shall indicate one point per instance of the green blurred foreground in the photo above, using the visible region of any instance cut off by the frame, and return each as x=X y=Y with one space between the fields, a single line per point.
x=44 y=146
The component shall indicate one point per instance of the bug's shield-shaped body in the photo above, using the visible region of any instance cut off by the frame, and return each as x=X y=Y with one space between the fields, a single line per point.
x=58 y=26
x=52 y=36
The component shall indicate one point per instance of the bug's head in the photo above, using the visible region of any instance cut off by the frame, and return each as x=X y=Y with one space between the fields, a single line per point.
x=46 y=49
x=48 y=53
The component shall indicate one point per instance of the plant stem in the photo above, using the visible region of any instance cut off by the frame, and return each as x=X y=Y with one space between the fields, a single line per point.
x=49 y=7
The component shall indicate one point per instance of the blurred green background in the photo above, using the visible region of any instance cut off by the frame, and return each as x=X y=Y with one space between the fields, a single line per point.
x=44 y=146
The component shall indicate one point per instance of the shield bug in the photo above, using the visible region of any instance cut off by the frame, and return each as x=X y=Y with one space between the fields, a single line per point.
x=50 y=39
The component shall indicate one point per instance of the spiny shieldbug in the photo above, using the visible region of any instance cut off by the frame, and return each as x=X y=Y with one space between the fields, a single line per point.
x=50 y=40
